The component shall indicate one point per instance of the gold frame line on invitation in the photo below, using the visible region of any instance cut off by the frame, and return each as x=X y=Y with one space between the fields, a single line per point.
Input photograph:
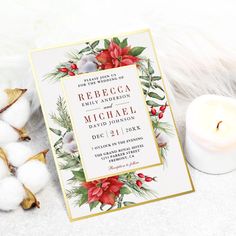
x=51 y=142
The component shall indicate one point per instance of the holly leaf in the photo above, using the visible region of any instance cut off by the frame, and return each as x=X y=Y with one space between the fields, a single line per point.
x=99 y=49
x=136 y=51
x=94 y=44
x=79 y=175
x=56 y=131
x=150 y=69
x=116 y=40
x=83 y=199
x=155 y=95
x=154 y=78
x=128 y=203
x=106 y=43
x=152 y=103
x=146 y=84
x=82 y=190
x=124 y=43
x=93 y=205
x=144 y=91
x=155 y=85
x=144 y=77
x=85 y=50
x=125 y=190
x=63 y=155
x=58 y=142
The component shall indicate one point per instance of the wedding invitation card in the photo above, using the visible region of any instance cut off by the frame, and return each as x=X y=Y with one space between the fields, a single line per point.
x=110 y=124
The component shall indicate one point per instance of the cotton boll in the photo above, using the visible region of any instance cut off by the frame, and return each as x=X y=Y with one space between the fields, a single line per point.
x=88 y=67
x=69 y=144
x=18 y=113
x=3 y=99
x=12 y=193
x=17 y=153
x=88 y=63
x=87 y=58
x=68 y=137
x=34 y=175
x=70 y=147
x=4 y=171
x=92 y=58
x=7 y=133
x=162 y=139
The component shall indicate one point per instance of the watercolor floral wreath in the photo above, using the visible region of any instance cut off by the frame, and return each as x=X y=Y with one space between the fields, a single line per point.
x=110 y=192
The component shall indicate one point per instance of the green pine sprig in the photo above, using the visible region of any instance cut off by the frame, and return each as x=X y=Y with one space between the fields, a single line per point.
x=56 y=74
x=62 y=117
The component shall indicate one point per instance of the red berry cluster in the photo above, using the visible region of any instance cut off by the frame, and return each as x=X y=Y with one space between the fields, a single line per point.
x=139 y=183
x=70 y=71
x=161 y=111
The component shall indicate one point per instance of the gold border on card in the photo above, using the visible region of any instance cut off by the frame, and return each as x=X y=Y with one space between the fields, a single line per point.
x=77 y=131
x=51 y=142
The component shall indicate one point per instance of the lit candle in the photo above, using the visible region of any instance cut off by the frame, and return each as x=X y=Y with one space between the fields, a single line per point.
x=210 y=141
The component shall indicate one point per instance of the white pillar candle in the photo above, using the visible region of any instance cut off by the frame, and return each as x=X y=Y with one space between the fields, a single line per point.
x=210 y=141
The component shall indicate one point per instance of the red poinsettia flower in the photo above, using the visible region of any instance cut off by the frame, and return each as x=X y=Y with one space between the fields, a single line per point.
x=103 y=190
x=115 y=56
